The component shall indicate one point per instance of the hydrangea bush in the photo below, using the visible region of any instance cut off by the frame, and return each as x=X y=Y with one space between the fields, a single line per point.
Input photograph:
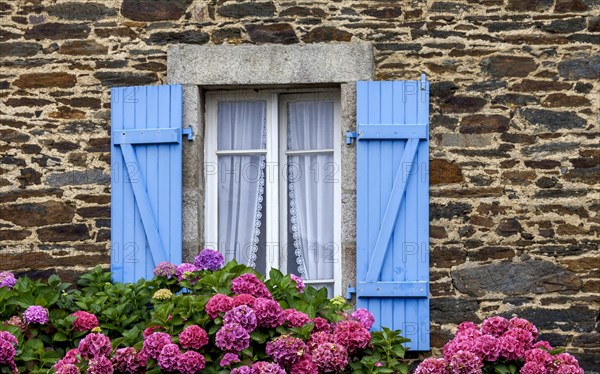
x=189 y=318
x=499 y=346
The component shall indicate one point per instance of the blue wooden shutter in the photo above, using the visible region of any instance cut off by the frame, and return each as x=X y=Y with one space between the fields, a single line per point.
x=393 y=206
x=146 y=194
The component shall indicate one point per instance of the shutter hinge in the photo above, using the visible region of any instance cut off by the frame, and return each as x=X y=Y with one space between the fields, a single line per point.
x=349 y=291
x=188 y=131
x=350 y=135
x=423 y=82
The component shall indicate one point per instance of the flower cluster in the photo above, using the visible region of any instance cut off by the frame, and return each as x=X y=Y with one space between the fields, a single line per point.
x=244 y=315
x=84 y=321
x=269 y=313
x=165 y=269
x=209 y=259
x=36 y=314
x=8 y=343
x=162 y=294
x=286 y=350
x=299 y=283
x=7 y=279
x=498 y=341
x=249 y=284
x=184 y=272
x=218 y=304
x=364 y=317
x=295 y=318
x=94 y=345
x=232 y=337
x=193 y=337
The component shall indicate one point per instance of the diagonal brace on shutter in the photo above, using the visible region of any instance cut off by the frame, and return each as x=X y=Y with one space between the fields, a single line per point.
x=143 y=203
x=391 y=212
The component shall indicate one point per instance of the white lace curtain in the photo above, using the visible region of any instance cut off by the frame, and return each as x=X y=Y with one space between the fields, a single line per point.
x=241 y=126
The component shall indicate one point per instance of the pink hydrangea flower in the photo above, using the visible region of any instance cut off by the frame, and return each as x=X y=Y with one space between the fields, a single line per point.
x=330 y=357
x=565 y=363
x=154 y=343
x=165 y=269
x=193 y=337
x=365 y=317
x=217 y=304
x=209 y=259
x=244 y=299
x=459 y=343
x=514 y=343
x=465 y=326
x=318 y=338
x=232 y=337
x=543 y=344
x=150 y=330
x=524 y=324
x=465 y=362
x=295 y=318
x=524 y=337
x=263 y=367
x=469 y=332
x=94 y=345
x=569 y=369
x=100 y=365
x=126 y=360
x=70 y=358
x=228 y=359
x=7 y=279
x=84 y=321
x=487 y=347
x=244 y=315
x=321 y=324
x=242 y=370
x=534 y=368
x=285 y=350
x=539 y=356
x=250 y=284
x=433 y=366
x=183 y=271
x=304 y=365
x=36 y=314
x=268 y=313
x=352 y=335
x=495 y=326
x=169 y=356
x=67 y=369
x=191 y=363
x=17 y=322
x=299 y=283
x=7 y=336
x=7 y=352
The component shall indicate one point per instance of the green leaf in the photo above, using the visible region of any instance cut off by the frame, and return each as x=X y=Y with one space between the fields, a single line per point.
x=54 y=280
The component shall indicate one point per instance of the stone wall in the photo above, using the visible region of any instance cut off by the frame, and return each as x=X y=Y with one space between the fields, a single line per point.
x=515 y=153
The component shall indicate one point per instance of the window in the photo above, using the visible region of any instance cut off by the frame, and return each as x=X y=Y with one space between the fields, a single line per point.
x=272 y=170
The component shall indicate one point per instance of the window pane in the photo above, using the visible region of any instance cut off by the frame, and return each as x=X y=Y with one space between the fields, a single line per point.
x=310 y=125
x=241 y=125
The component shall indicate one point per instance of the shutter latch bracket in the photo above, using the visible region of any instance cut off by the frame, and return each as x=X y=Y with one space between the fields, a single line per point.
x=350 y=135
x=349 y=291
x=188 y=131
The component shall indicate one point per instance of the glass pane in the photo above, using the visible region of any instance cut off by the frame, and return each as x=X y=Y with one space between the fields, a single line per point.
x=241 y=204
x=312 y=250
x=310 y=125
x=241 y=125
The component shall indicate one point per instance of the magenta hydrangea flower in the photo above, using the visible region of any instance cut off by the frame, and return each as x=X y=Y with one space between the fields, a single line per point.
x=539 y=356
x=7 y=279
x=191 y=362
x=7 y=352
x=495 y=326
x=67 y=369
x=524 y=324
x=365 y=317
x=263 y=367
x=165 y=269
x=569 y=369
x=304 y=365
x=295 y=318
x=70 y=358
x=433 y=366
x=193 y=337
x=244 y=315
x=7 y=336
x=154 y=343
x=269 y=313
x=150 y=330
x=565 y=359
x=318 y=338
x=242 y=370
x=533 y=368
x=36 y=314
x=125 y=360
x=330 y=357
x=168 y=357
x=209 y=259
x=352 y=335
x=244 y=299
x=250 y=284
x=543 y=344
x=286 y=350
x=232 y=337
x=487 y=347
x=465 y=326
x=84 y=321
x=299 y=283
x=94 y=345
x=465 y=362
x=321 y=324
x=228 y=359
x=183 y=271
x=100 y=365
x=217 y=304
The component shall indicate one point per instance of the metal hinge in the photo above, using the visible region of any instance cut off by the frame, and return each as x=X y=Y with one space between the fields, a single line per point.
x=423 y=82
x=349 y=292
x=350 y=135
x=188 y=131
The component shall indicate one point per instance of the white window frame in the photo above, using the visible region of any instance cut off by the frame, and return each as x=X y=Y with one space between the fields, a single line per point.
x=275 y=172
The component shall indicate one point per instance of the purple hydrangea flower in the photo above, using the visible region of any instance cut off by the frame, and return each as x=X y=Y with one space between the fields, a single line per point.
x=7 y=279
x=330 y=357
x=263 y=367
x=7 y=336
x=35 y=314
x=154 y=343
x=228 y=359
x=67 y=369
x=242 y=370
x=433 y=366
x=7 y=352
x=286 y=350
x=269 y=313
x=184 y=268
x=191 y=363
x=244 y=315
x=165 y=269
x=364 y=317
x=299 y=283
x=232 y=337
x=100 y=365
x=208 y=259
x=94 y=345
x=169 y=356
